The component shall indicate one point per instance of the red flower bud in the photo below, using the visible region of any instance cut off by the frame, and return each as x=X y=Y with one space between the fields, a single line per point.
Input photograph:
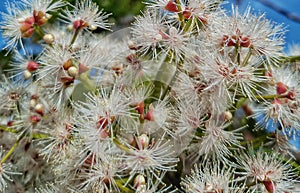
x=78 y=24
x=171 y=6
x=281 y=88
x=32 y=66
x=269 y=185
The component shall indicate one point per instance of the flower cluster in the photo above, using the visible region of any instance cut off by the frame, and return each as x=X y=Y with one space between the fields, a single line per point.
x=188 y=85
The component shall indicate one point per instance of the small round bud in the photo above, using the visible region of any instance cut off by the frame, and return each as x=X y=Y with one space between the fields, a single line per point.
x=158 y=37
x=39 y=108
x=227 y=115
x=92 y=27
x=132 y=45
x=32 y=103
x=27 y=74
x=73 y=71
x=139 y=180
x=70 y=27
x=49 y=38
x=143 y=140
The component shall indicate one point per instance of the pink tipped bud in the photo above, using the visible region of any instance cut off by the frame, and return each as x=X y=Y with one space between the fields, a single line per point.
x=40 y=17
x=29 y=20
x=245 y=42
x=34 y=119
x=187 y=13
x=139 y=180
x=28 y=33
x=149 y=116
x=32 y=66
x=281 y=88
x=78 y=24
x=140 y=107
x=171 y=6
x=143 y=140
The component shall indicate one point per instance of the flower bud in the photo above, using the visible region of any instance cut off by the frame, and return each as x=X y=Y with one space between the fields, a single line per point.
x=70 y=27
x=171 y=6
x=78 y=24
x=281 y=88
x=73 y=71
x=139 y=180
x=27 y=74
x=150 y=114
x=32 y=103
x=34 y=119
x=67 y=64
x=49 y=38
x=32 y=66
x=92 y=27
x=143 y=140
x=39 y=108
x=132 y=45
x=269 y=185
x=227 y=115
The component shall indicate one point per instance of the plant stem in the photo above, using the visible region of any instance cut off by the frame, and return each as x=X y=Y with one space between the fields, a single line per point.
x=121 y=146
x=123 y=188
x=8 y=129
x=34 y=135
x=247 y=57
x=270 y=96
x=74 y=38
x=290 y=59
x=38 y=30
x=180 y=15
x=10 y=151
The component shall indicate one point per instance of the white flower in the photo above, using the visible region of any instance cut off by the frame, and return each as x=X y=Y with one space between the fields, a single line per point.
x=6 y=170
x=147 y=32
x=211 y=177
x=237 y=79
x=282 y=109
x=102 y=176
x=11 y=95
x=268 y=171
x=44 y=6
x=24 y=67
x=17 y=24
x=86 y=15
x=150 y=159
x=249 y=32
x=216 y=142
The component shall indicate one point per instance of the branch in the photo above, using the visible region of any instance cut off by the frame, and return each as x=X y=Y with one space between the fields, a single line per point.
x=280 y=10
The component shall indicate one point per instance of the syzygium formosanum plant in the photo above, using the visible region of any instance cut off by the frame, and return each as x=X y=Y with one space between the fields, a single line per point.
x=117 y=116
